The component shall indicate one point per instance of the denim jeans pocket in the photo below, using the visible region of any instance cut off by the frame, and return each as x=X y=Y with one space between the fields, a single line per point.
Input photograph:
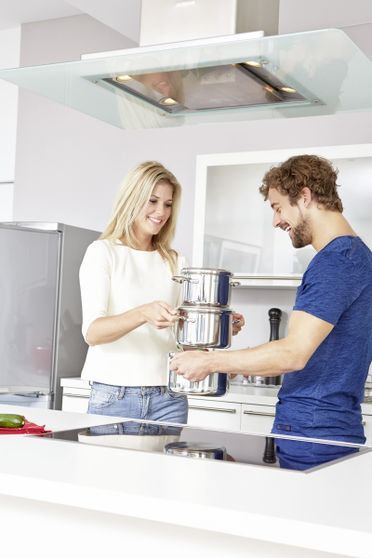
x=101 y=398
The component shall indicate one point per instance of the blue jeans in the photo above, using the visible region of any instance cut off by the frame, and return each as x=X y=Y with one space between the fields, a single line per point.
x=149 y=403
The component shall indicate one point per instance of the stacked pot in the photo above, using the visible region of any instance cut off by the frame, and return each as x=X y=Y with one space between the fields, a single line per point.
x=205 y=322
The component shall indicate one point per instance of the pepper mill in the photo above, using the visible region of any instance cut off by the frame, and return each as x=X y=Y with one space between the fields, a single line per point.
x=275 y=315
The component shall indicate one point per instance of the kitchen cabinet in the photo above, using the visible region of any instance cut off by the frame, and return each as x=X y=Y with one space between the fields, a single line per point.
x=243 y=410
x=257 y=418
x=214 y=414
x=75 y=400
x=242 y=239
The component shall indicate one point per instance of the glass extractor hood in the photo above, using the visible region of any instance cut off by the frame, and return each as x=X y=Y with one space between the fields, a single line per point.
x=235 y=78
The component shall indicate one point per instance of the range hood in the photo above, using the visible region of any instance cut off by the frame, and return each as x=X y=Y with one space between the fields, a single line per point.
x=233 y=78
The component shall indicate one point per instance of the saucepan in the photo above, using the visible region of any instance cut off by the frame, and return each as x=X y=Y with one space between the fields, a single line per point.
x=206 y=286
x=213 y=385
x=197 y=450
x=204 y=327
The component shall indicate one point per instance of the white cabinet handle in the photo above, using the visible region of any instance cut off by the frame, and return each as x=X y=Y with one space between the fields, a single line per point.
x=218 y=409
x=259 y=413
x=67 y=394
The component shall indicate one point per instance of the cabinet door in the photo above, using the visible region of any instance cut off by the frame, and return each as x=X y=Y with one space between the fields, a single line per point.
x=257 y=419
x=75 y=401
x=214 y=414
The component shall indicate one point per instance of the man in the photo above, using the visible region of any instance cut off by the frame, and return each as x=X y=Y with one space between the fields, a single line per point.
x=327 y=352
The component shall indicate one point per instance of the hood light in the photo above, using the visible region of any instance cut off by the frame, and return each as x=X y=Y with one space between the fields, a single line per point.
x=122 y=78
x=253 y=64
x=167 y=101
x=287 y=89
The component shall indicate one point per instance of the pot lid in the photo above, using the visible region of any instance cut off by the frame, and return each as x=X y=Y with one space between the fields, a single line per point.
x=231 y=78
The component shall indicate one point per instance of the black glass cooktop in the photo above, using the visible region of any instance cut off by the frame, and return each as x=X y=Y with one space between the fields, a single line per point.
x=200 y=443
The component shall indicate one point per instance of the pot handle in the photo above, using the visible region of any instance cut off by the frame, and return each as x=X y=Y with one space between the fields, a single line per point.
x=178 y=278
x=191 y=320
x=182 y=278
x=234 y=283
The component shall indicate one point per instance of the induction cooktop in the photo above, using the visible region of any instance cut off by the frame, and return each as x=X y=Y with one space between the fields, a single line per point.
x=192 y=442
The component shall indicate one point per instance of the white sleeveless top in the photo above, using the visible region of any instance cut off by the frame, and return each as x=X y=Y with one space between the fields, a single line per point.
x=114 y=279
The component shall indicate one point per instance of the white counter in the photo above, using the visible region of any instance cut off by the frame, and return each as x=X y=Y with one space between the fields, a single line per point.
x=162 y=505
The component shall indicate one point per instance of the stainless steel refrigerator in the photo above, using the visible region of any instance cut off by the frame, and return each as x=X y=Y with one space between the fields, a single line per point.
x=40 y=310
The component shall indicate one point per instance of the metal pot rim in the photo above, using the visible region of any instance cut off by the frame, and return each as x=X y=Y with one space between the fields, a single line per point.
x=204 y=270
x=201 y=309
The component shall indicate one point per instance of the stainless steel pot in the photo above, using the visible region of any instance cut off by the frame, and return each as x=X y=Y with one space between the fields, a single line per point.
x=205 y=286
x=213 y=385
x=204 y=327
x=196 y=449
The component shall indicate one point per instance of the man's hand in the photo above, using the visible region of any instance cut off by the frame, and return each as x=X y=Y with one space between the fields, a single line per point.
x=192 y=365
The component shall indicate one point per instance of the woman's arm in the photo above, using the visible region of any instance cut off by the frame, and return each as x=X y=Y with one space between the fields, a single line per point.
x=110 y=328
x=95 y=284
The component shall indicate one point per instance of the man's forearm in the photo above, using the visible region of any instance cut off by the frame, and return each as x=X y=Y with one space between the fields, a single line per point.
x=270 y=359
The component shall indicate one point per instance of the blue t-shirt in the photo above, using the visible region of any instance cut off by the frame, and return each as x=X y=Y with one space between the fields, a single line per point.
x=323 y=400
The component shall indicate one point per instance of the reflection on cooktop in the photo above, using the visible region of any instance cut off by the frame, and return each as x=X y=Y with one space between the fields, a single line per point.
x=192 y=442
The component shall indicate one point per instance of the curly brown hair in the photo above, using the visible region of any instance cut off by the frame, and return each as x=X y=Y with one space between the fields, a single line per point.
x=302 y=171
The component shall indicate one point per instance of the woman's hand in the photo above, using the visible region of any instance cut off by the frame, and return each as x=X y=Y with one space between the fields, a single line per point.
x=159 y=314
x=238 y=322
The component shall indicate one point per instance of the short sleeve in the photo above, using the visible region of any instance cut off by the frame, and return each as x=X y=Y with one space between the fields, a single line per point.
x=95 y=282
x=328 y=288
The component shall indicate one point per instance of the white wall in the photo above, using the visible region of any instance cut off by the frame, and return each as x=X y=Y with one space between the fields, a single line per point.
x=10 y=40
x=69 y=165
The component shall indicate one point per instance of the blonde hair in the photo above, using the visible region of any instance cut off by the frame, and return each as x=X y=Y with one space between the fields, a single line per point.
x=133 y=195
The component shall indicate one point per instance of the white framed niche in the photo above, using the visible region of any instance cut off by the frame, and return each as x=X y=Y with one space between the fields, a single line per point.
x=233 y=225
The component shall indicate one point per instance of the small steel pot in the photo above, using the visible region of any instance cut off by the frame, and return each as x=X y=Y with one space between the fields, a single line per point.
x=205 y=286
x=195 y=449
x=213 y=385
x=204 y=327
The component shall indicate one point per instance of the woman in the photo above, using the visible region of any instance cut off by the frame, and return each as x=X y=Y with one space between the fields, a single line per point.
x=129 y=300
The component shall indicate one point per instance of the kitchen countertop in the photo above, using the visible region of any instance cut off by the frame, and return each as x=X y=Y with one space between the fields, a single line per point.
x=220 y=508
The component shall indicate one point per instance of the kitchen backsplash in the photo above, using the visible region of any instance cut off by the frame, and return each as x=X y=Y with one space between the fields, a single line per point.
x=254 y=304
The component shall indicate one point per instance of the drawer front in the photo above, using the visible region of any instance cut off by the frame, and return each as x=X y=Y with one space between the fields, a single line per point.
x=257 y=419
x=76 y=403
x=214 y=414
